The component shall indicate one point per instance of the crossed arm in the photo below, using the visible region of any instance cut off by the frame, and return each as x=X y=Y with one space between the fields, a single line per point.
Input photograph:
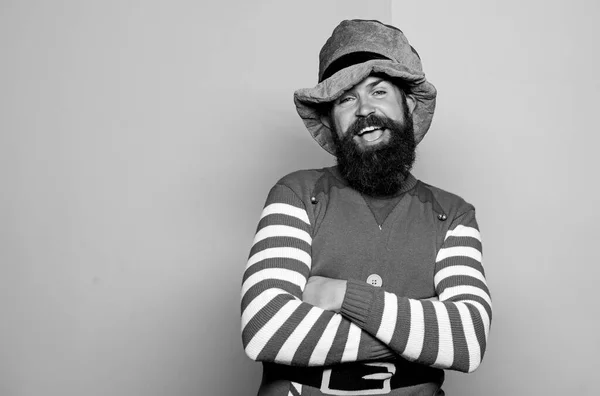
x=290 y=318
x=328 y=293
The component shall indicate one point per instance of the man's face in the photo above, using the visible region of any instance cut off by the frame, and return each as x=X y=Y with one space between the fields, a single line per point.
x=374 y=96
x=374 y=136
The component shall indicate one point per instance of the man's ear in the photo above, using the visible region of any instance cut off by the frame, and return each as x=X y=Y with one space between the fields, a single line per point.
x=411 y=103
x=325 y=120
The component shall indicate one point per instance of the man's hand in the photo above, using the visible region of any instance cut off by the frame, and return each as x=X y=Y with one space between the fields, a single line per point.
x=325 y=293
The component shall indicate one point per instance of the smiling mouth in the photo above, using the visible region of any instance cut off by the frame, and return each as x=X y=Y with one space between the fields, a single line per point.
x=370 y=133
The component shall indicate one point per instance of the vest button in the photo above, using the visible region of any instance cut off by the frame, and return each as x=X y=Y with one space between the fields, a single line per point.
x=375 y=280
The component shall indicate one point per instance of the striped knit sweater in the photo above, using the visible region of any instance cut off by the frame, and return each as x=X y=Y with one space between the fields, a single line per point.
x=428 y=246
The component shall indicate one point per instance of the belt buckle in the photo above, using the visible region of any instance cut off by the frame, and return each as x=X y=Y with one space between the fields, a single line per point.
x=383 y=378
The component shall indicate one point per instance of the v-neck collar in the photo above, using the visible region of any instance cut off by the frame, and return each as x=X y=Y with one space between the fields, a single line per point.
x=381 y=207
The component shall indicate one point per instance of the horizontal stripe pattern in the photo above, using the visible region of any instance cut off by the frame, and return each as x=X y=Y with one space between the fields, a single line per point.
x=464 y=290
x=260 y=339
x=459 y=280
x=464 y=231
x=325 y=343
x=459 y=251
x=458 y=270
x=485 y=318
x=291 y=345
x=282 y=230
x=275 y=321
x=414 y=346
x=278 y=327
x=280 y=242
x=285 y=209
x=450 y=333
x=352 y=344
x=273 y=327
x=274 y=273
x=390 y=313
x=279 y=219
x=280 y=252
x=258 y=303
x=445 y=356
x=292 y=265
x=471 y=338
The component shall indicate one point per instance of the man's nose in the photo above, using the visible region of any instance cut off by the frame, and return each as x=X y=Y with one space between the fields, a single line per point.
x=365 y=108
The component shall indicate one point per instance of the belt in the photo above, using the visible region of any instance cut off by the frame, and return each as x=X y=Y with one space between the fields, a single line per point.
x=357 y=377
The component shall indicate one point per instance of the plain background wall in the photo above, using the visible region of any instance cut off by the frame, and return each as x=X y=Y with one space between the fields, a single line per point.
x=516 y=133
x=138 y=140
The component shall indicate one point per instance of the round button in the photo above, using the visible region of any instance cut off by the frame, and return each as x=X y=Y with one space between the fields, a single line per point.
x=375 y=280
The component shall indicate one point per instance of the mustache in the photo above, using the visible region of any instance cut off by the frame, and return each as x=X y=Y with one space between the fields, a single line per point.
x=379 y=171
x=371 y=120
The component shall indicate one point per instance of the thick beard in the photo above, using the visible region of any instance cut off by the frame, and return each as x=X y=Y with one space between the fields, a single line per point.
x=381 y=170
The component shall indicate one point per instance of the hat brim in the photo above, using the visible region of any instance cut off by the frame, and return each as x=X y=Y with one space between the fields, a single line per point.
x=310 y=101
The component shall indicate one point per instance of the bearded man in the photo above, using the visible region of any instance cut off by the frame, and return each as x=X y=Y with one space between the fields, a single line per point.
x=363 y=280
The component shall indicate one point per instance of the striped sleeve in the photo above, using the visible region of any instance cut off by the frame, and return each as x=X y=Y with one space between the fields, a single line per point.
x=276 y=325
x=450 y=333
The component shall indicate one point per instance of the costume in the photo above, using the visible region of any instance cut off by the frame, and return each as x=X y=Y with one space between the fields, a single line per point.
x=387 y=339
x=394 y=252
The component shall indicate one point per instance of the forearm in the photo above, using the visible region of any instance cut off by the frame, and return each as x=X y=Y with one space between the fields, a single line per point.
x=450 y=333
x=277 y=326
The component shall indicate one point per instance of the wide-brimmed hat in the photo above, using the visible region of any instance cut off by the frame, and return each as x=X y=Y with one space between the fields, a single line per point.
x=355 y=50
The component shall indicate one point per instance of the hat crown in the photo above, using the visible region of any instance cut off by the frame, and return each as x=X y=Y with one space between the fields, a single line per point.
x=367 y=36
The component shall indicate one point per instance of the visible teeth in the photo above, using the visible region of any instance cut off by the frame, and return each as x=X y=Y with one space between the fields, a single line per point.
x=367 y=129
x=372 y=136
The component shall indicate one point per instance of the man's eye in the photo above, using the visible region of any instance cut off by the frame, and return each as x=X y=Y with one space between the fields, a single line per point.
x=345 y=99
x=379 y=92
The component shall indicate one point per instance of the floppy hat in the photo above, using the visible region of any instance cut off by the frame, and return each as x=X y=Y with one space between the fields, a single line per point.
x=356 y=49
